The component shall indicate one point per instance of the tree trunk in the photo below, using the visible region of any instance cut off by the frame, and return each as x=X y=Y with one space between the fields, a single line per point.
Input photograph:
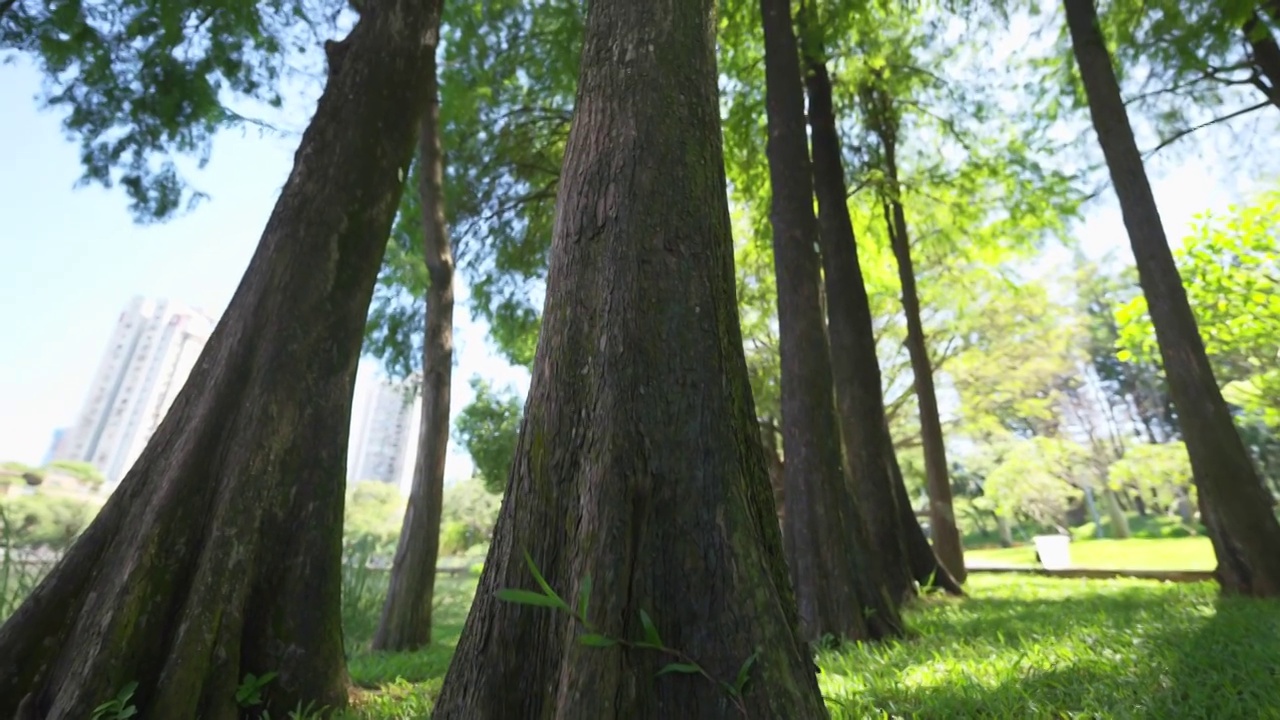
x=937 y=480
x=1264 y=53
x=220 y=552
x=777 y=470
x=840 y=586
x=873 y=463
x=1119 y=522
x=639 y=463
x=1249 y=542
x=406 y=614
x=1006 y=531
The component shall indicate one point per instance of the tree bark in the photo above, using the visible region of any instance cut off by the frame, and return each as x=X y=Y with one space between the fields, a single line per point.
x=873 y=463
x=777 y=469
x=841 y=588
x=1265 y=55
x=937 y=477
x=1239 y=514
x=220 y=552
x=639 y=463
x=406 y=614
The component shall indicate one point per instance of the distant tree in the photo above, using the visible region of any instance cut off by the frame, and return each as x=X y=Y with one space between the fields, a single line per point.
x=842 y=587
x=373 y=508
x=83 y=472
x=1160 y=473
x=1235 y=506
x=405 y=623
x=1231 y=267
x=1039 y=479
x=489 y=428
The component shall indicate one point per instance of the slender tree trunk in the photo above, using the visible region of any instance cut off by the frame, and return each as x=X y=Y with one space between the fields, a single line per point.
x=937 y=480
x=873 y=464
x=840 y=586
x=1006 y=531
x=406 y=614
x=1119 y=522
x=1239 y=513
x=639 y=463
x=220 y=552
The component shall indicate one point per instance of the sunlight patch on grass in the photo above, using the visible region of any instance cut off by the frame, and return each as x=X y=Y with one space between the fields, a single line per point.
x=1184 y=553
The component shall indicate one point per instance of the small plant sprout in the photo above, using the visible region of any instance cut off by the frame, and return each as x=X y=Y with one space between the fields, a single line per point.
x=681 y=662
x=119 y=707
x=249 y=694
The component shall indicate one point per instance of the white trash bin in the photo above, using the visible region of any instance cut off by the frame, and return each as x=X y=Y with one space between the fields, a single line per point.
x=1054 y=551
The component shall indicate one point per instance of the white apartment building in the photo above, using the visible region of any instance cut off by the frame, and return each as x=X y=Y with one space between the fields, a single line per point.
x=385 y=420
x=148 y=358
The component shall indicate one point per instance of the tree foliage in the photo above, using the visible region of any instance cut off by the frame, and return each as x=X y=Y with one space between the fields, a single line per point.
x=488 y=428
x=1230 y=265
x=141 y=84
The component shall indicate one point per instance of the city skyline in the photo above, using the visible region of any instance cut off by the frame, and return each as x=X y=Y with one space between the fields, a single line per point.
x=148 y=358
x=152 y=350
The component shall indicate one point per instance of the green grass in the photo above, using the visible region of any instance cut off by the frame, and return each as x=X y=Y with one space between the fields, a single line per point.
x=1015 y=648
x=1053 y=648
x=1184 y=553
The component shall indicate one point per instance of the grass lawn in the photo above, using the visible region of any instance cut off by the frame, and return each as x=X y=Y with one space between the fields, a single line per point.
x=1015 y=648
x=1183 y=553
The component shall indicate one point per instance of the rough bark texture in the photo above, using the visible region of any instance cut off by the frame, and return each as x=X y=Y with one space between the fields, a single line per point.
x=639 y=463
x=873 y=463
x=1236 y=507
x=220 y=552
x=406 y=614
x=840 y=586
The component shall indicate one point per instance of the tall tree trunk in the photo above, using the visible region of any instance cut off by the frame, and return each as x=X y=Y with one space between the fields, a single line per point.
x=873 y=463
x=840 y=586
x=937 y=477
x=777 y=469
x=220 y=552
x=639 y=463
x=406 y=614
x=1264 y=53
x=1239 y=515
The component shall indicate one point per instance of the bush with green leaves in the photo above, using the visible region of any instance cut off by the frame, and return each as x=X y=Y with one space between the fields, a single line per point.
x=40 y=519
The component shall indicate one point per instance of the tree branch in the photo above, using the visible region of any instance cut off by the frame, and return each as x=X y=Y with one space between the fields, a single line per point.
x=1185 y=132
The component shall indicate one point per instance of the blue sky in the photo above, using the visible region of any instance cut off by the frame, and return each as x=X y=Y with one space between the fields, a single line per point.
x=71 y=258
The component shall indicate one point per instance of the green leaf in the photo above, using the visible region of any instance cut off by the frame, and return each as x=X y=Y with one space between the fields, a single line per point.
x=650 y=631
x=528 y=597
x=584 y=597
x=542 y=582
x=596 y=640
x=744 y=672
x=686 y=668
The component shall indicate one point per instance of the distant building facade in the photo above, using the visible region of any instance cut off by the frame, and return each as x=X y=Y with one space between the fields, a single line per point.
x=151 y=352
x=385 y=418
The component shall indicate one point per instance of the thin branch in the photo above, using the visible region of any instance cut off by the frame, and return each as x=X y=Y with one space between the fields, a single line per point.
x=5 y=5
x=1185 y=132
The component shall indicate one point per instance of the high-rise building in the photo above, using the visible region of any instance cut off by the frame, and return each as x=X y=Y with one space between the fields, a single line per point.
x=385 y=418
x=148 y=358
